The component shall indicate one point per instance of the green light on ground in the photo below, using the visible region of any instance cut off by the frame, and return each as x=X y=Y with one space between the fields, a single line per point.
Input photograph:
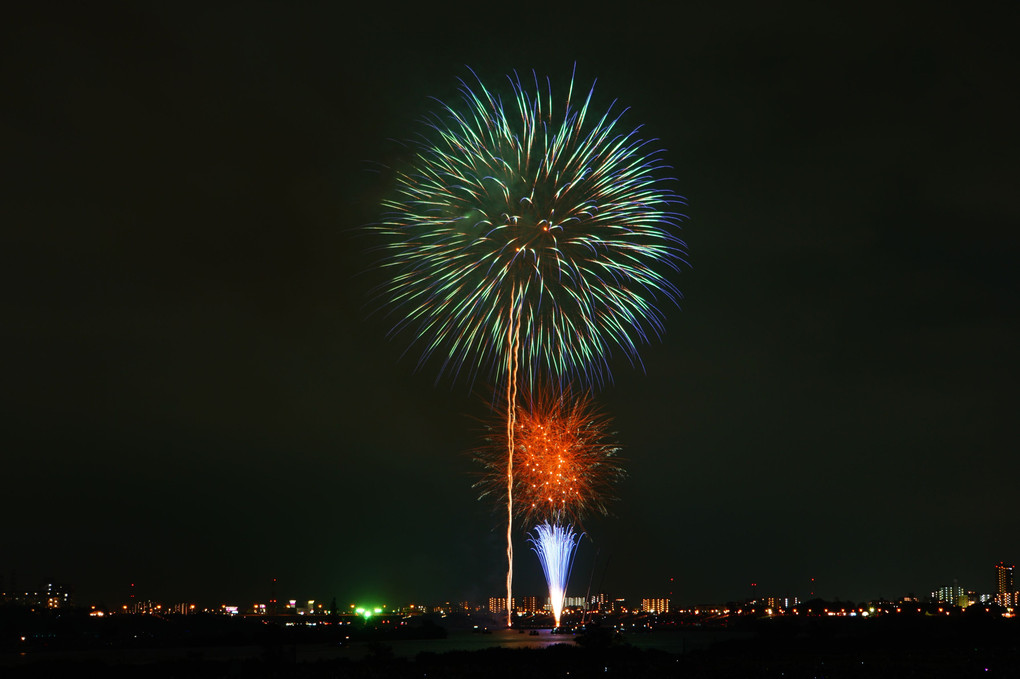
x=367 y=613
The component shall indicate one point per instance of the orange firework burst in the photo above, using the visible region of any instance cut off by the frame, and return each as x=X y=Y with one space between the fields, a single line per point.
x=565 y=460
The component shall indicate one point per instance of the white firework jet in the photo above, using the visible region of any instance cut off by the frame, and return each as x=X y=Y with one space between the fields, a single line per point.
x=555 y=546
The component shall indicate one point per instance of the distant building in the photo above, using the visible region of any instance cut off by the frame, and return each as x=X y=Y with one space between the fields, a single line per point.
x=497 y=604
x=460 y=607
x=1004 y=575
x=655 y=605
x=52 y=595
x=1005 y=594
x=568 y=602
x=57 y=595
x=781 y=603
x=529 y=604
x=951 y=594
x=976 y=597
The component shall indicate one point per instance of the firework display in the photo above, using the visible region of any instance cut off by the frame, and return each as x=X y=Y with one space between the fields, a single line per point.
x=518 y=220
x=566 y=464
x=529 y=241
x=566 y=459
x=555 y=546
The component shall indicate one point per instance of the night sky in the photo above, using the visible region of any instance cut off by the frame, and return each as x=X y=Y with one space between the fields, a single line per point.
x=197 y=397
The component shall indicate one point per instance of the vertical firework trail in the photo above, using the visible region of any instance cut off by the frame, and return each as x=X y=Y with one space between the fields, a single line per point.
x=513 y=341
x=555 y=546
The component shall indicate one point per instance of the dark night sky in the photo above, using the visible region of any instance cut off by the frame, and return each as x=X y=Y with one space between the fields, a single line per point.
x=196 y=398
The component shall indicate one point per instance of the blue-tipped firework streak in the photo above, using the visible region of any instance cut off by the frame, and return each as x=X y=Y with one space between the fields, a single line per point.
x=555 y=546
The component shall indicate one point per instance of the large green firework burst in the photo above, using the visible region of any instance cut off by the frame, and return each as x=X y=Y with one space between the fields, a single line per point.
x=559 y=220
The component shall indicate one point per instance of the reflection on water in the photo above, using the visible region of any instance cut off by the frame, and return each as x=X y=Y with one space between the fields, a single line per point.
x=669 y=641
x=455 y=641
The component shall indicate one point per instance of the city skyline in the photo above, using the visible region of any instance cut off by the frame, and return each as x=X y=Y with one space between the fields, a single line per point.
x=197 y=393
x=53 y=594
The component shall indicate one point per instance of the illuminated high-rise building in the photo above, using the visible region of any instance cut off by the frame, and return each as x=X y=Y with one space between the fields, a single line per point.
x=1004 y=571
x=951 y=594
x=655 y=605
x=498 y=604
x=1005 y=593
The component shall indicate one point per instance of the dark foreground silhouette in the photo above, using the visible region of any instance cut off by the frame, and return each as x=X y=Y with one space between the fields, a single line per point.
x=795 y=649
